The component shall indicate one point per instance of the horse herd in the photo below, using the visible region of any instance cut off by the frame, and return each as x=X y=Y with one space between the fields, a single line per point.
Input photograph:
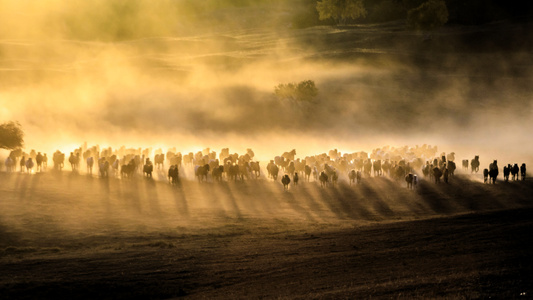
x=397 y=163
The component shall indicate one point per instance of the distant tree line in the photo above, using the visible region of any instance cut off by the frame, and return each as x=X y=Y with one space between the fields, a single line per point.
x=110 y=20
x=420 y=13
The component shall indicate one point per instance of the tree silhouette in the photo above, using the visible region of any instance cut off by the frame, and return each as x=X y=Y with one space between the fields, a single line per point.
x=303 y=91
x=428 y=15
x=11 y=136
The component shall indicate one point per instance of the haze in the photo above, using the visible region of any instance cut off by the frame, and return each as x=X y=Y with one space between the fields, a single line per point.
x=160 y=74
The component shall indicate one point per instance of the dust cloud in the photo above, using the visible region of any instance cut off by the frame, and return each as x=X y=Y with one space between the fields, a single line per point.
x=172 y=74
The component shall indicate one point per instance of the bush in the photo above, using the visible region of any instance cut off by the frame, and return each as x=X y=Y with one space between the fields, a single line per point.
x=303 y=91
x=341 y=10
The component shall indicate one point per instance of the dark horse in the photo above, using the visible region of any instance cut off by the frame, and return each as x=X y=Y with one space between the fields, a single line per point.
x=286 y=180
x=493 y=172
x=148 y=168
x=352 y=175
x=474 y=164
x=201 y=172
x=323 y=178
x=410 y=178
x=173 y=174
x=128 y=170
x=515 y=170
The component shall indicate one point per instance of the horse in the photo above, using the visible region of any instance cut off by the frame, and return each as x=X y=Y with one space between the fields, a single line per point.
x=59 y=159
x=201 y=172
x=74 y=161
x=450 y=156
x=307 y=172
x=256 y=170
x=295 y=178
x=285 y=180
x=437 y=173
x=90 y=163
x=22 y=163
x=39 y=161
x=128 y=170
x=103 y=165
x=474 y=164
x=451 y=167
x=173 y=174
x=367 y=167
x=506 y=172
x=377 y=168
x=410 y=178
x=323 y=179
x=234 y=172
x=352 y=176
x=334 y=177
x=9 y=164
x=29 y=165
x=159 y=160
x=115 y=166
x=289 y=155
x=485 y=175
x=493 y=171
x=291 y=168
x=216 y=173
x=514 y=171
x=244 y=170
x=274 y=171
x=148 y=168
x=523 y=171
x=465 y=164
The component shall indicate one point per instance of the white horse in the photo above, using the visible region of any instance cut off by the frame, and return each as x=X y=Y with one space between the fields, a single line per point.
x=90 y=163
x=9 y=164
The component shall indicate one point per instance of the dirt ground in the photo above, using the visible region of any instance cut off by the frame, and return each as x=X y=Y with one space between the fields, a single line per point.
x=66 y=235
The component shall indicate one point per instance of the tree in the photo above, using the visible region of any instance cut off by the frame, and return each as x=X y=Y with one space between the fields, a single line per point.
x=303 y=91
x=11 y=136
x=428 y=15
x=340 y=10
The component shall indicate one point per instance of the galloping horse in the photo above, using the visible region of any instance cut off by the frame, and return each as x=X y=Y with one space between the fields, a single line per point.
x=173 y=174
x=201 y=172
x=256 y=170
x=285 y=180
x=128 y=170
x=410 y=178
x=352 y=176
x=307 y=172
x=515 y=171
x=148 y=168
x=90 y=163
x=323 y=178
x=493 y=172
x=474 y=164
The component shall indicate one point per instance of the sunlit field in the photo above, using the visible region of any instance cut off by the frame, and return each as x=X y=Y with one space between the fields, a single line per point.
x=113 y=84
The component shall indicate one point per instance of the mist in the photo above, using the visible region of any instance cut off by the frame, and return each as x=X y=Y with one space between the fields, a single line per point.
x=171 y=74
